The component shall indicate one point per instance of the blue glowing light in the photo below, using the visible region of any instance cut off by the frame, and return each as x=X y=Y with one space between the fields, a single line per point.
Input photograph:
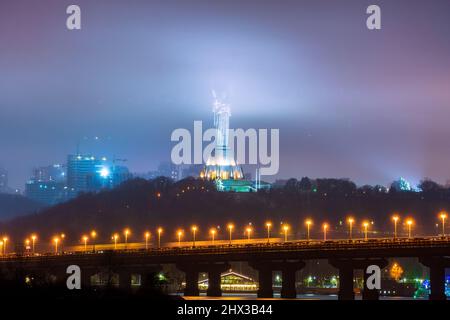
x=104 y=172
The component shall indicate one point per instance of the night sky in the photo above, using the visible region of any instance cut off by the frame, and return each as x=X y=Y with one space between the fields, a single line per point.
x=349 y=102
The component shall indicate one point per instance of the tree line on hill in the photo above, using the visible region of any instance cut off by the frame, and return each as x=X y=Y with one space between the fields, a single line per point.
x=146 y=204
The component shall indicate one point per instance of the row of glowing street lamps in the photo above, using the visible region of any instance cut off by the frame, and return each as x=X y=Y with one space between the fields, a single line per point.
x=127 y=232
x=58 y=240
x=213 y=232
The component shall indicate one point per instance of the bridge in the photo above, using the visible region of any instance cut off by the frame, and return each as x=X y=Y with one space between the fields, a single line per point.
x=287 y=257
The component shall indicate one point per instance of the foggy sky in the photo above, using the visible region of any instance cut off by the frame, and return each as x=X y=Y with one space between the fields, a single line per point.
x=349 y=102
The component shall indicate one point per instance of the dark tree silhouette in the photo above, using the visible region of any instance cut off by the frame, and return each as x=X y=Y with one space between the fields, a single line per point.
x=428 y=186
x=305 y=184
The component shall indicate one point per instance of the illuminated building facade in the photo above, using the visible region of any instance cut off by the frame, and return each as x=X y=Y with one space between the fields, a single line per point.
x=48 y=185
x=55 y=172
x=83 y=173
x=87 y=173
x=46 y=192
x=232 y=282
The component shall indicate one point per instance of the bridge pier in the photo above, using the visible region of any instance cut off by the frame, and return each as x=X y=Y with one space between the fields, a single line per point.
x=437 y=276
x=346 y=270
x=191 y=288
x=345 y=278
x=371 y=294
x=124 y=280
x=288 y=269
x=264 y=278
x=214 y=271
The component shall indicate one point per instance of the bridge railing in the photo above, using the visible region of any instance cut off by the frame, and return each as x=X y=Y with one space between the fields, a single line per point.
x=298 y=245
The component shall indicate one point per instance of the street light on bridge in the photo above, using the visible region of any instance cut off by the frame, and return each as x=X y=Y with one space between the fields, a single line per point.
x=308 y=223
x=366 y=227
x=56 y=241
x=27 y=245
x=409 y=222
x=5 y=241
x=325 y=228
x=194 y=230
x=126 y=232
x=230 y=229
x=285 y=229
x=268 y=225
x=213 y=232
x=33 y=242
x=395 y=218
x=61 y=241
x=249 y=232
x=93 y=236
x=179 y=233
x=160 y=230
x=147 y=236
x=1 y=247
x=350 y=221
x=443 y=216
x=115 y=237
x=85 y=239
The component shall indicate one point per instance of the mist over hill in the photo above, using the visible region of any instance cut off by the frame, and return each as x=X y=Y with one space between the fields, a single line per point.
x=13 y=205
x=147 y=204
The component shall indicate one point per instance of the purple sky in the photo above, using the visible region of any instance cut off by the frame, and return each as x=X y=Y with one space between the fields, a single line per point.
x=349 y=102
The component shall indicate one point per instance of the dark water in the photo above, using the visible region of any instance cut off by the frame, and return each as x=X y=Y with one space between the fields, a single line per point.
x=250 y=296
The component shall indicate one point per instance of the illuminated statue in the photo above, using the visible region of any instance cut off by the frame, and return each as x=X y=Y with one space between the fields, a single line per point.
x=223 y=165
x=222 y=115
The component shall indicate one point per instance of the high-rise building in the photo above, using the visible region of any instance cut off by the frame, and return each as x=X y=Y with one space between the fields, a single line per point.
x=3 y=180
x=55 y=172
x=119 y=175
x=86 y=173
x=48 y=185
x=83 y=173
x=47 y=192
